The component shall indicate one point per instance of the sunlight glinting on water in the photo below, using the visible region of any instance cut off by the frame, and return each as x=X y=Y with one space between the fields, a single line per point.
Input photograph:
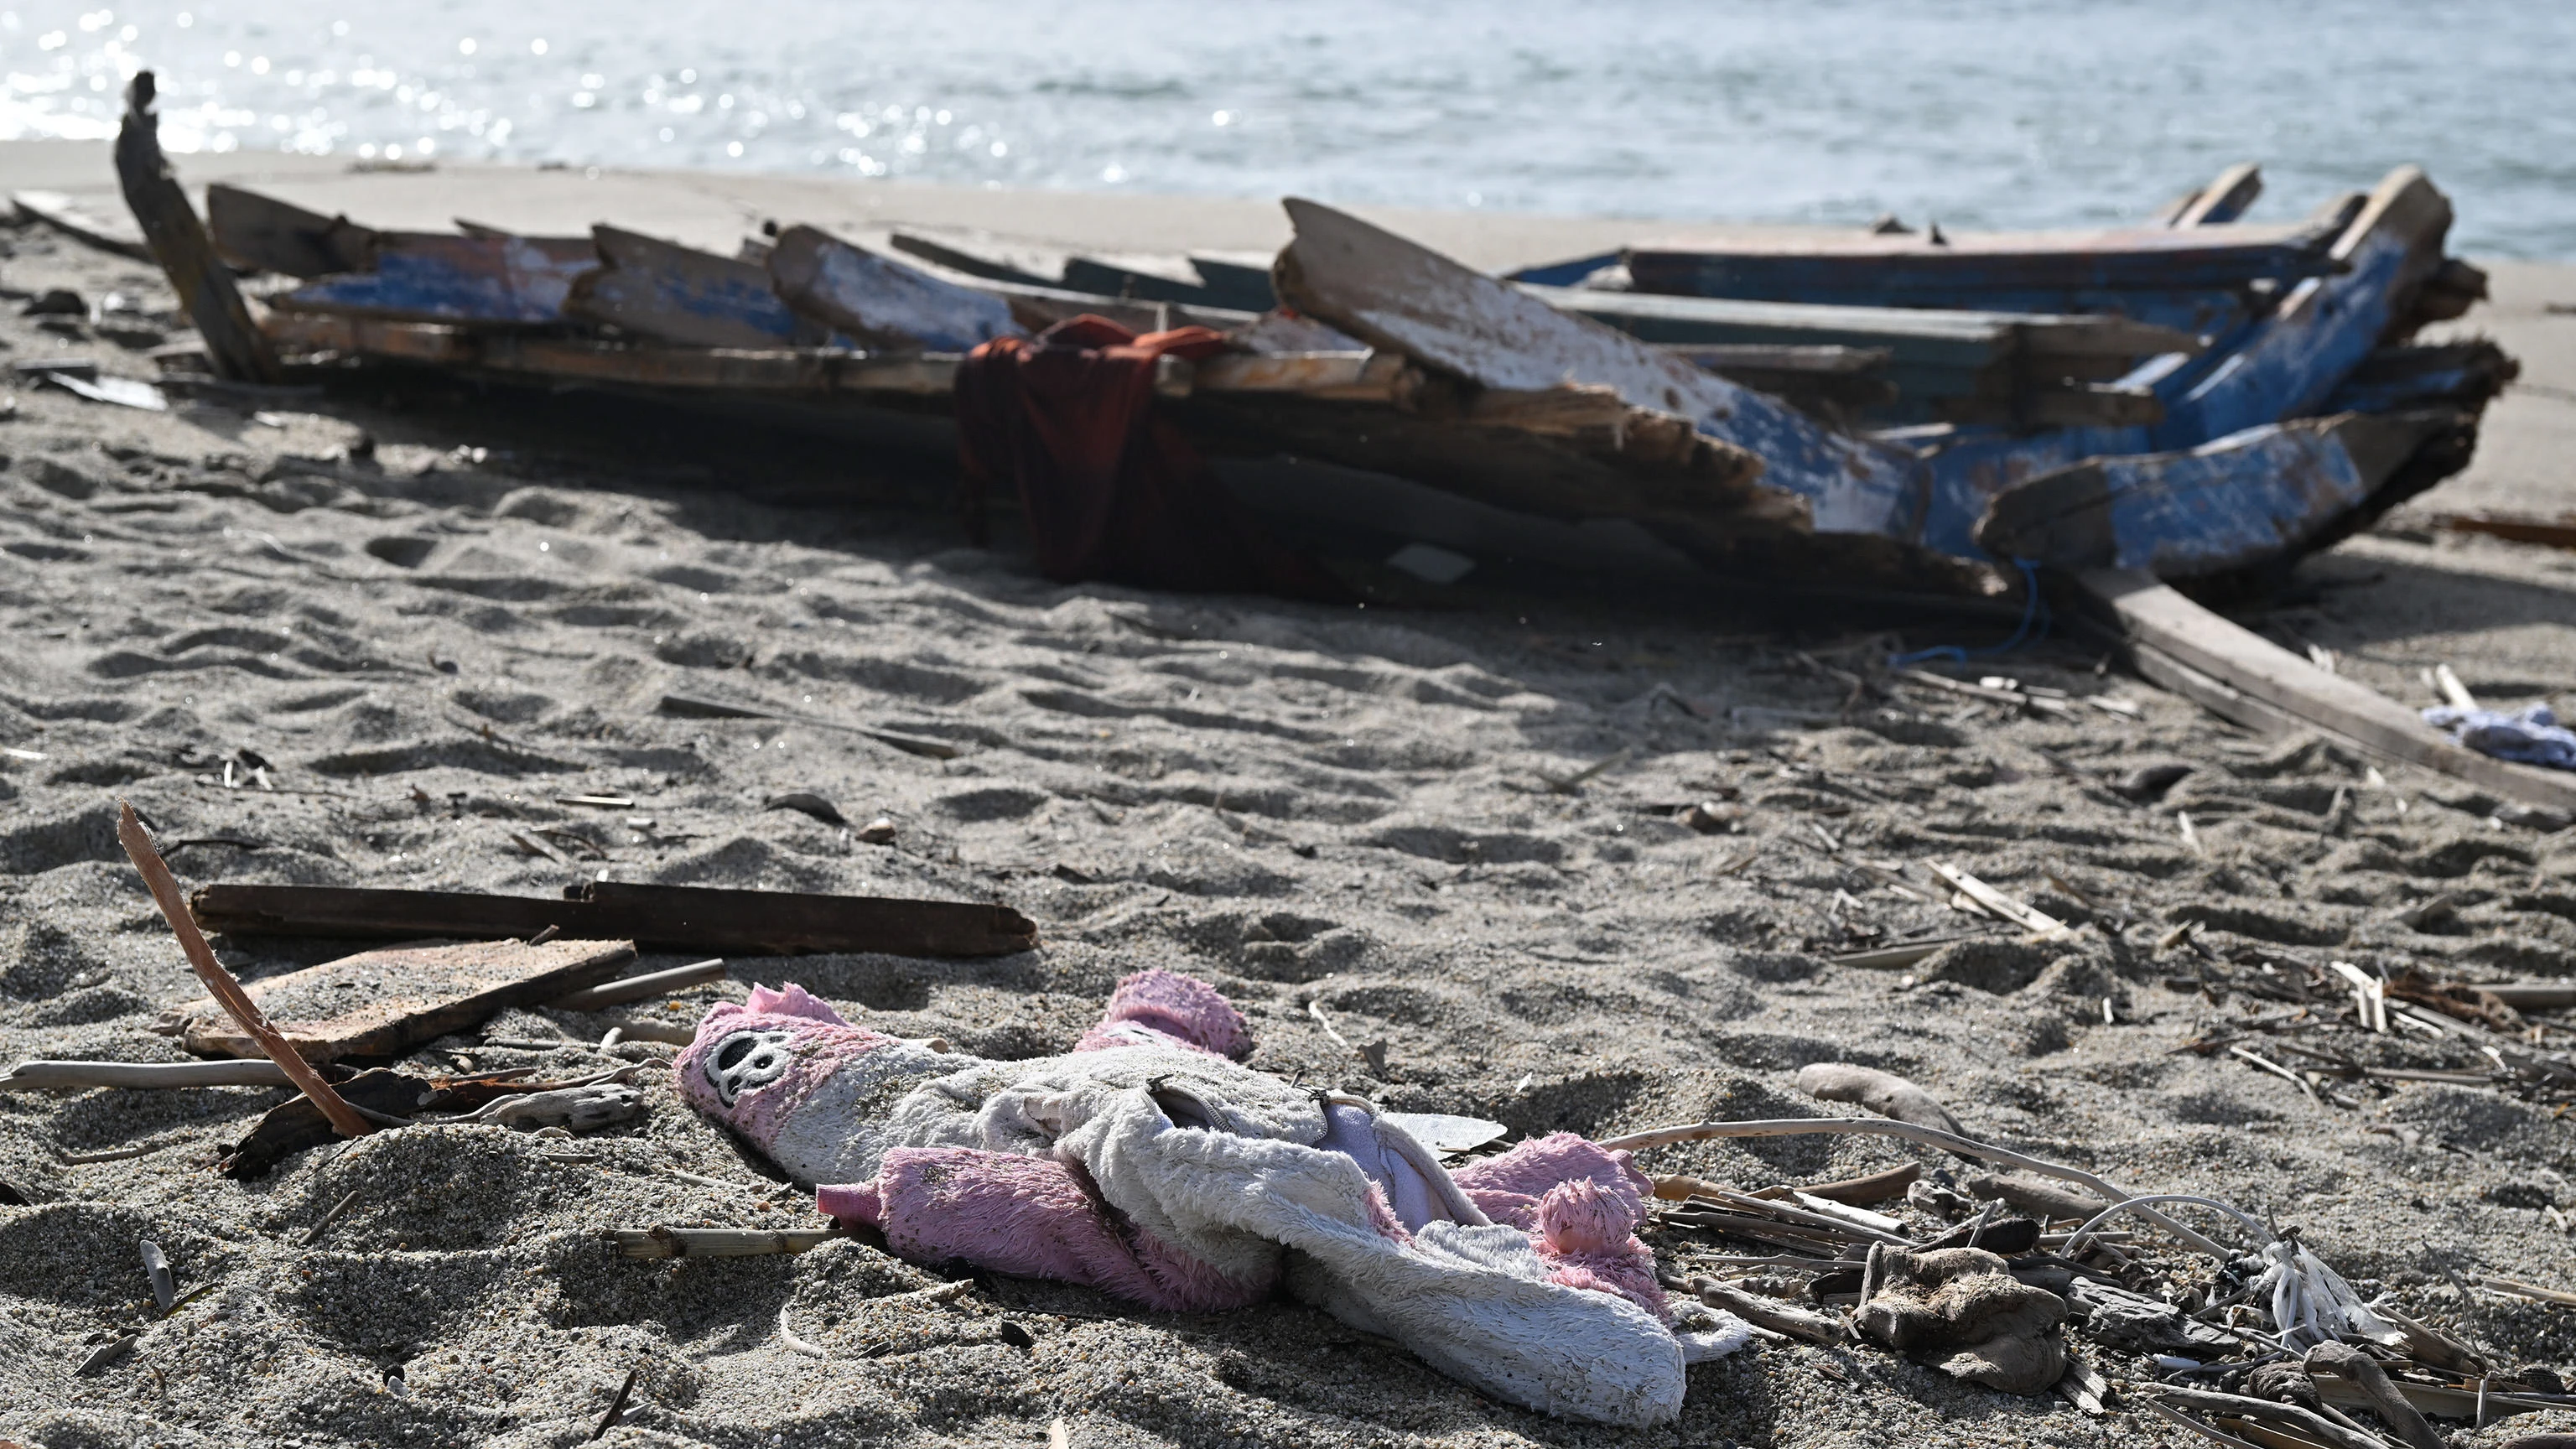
x=1976 y=113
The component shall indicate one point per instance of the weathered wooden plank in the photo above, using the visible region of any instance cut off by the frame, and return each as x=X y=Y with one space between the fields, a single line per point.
x=1399 y=296
x=384 y=1003
x=426 y=277
x=1238 y=280
x=263 y=233
x=2291 y=361
x=371 y=337
x=2559 y=532
x=2224 y=199
x=1323 y=376
x=2224 y=505
x=2277 y=683
x=678 y=918
x=1917 y=270
x=63 y=214
x=1566 y=273
x=879 y=300
x=1027 y=267
x=180 y=244
x=662 y=290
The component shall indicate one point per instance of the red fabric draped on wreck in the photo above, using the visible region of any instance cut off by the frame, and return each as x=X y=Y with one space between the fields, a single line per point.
x=1111 y=491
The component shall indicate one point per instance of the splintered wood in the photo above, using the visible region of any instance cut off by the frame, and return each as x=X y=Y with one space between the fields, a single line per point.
x=384 y=1003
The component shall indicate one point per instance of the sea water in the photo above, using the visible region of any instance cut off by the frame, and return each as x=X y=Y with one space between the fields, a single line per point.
x=1972 y=113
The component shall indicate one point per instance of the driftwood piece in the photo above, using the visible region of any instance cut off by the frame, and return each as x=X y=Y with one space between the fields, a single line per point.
x=259 y=1073
x=2034 y=1195
x=2559 y=532
x=1770 y=1313
x=636 y=988
x=2239 y=1406
x=2246 y=678
x=2343 y=1361
x=675 y=918
x=880 y=300
x=384 y=1003
x=1881 y=1092
x=179 y=243
x=65 y=215
x=1875 y=1187
x=295 y=1125
x=261 y=232
x=220 y=983
x=1871 y=1126
x=2010 y=1236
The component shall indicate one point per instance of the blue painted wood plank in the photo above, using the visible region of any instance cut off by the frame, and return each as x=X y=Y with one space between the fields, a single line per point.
x=465 y=279
x=2289 y=363
x=1908 y=270
x=2228 y=503
x=672 y=293
x=1567 y=273
x=2270 y=370
x=880 y=300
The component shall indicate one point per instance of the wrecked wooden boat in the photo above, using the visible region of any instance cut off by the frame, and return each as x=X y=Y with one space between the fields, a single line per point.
x=2122 y=441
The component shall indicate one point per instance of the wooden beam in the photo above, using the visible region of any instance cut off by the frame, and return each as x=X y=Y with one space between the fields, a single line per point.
x=56 y=210
x=2262 y=685
x=433 y=277
x=180 y=244
x=1402 y=297
x=880 y=300
x=263 y=233
x=676 y=918
x=2559 y=532
x=2237 y=501
x=673 y=293
x=384 y=1003
x=2225 y=199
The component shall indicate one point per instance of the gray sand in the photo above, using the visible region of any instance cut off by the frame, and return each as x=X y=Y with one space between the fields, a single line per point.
x=432 y=644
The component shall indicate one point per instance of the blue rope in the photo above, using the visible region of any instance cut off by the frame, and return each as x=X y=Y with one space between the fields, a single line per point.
x=2034 y=616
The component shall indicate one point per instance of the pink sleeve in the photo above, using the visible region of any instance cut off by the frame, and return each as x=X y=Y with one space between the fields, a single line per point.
x=1024 y=1215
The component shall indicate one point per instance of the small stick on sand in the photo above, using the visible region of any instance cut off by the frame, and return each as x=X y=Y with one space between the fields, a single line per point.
x=2257 y=1059
x=328 y=1218
x=617 y=1406
x=220 y=984
x=636 y=988
x=144 y=1074
x=113 y=1154
x=1771 y=1314
x=2532 y=1291
x=1930 y=1137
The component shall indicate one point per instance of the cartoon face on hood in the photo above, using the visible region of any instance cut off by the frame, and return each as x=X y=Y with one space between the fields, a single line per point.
x=751 y=1064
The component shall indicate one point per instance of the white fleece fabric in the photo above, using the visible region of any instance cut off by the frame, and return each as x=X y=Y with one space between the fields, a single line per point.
x=1245 y=1178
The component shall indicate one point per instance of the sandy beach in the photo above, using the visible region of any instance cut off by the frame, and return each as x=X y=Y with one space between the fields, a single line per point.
x=430 y=620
